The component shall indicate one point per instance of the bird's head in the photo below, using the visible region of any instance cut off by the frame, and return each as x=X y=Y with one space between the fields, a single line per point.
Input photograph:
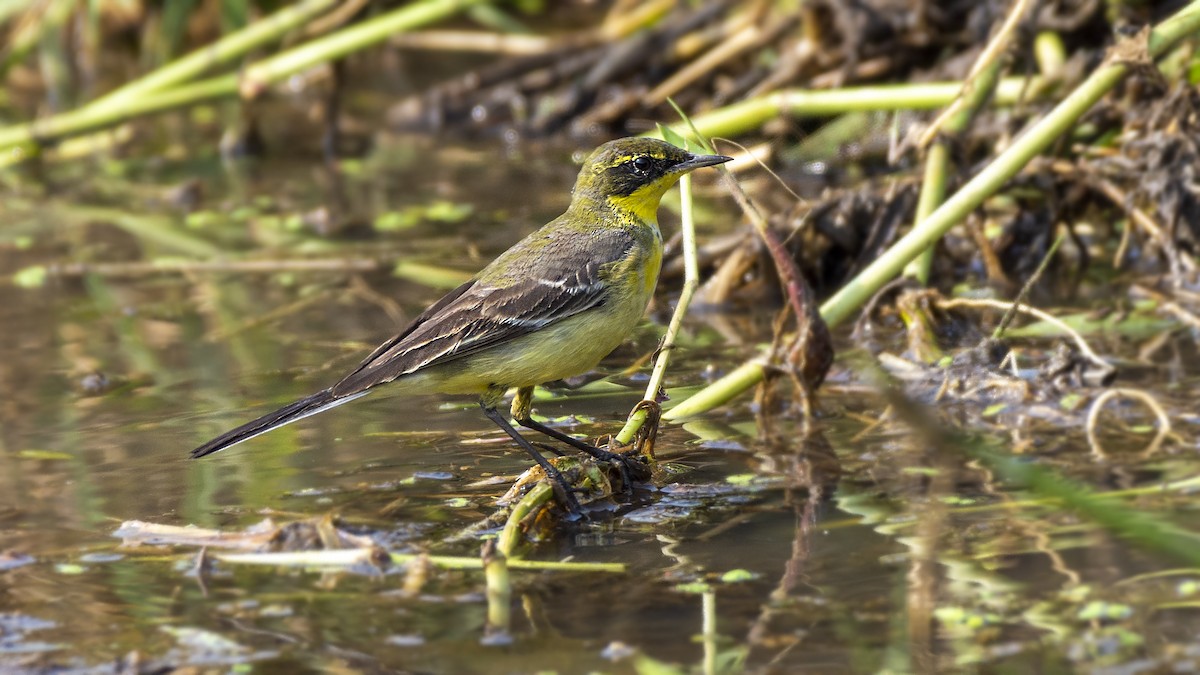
x=632 y=174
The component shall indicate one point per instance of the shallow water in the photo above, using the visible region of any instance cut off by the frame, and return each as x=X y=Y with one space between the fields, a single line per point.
x=848 y=551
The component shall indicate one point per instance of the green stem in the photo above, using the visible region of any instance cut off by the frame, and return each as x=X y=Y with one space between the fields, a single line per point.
x=691 y=281
x=510 y=537
x=24 y=35
x=885 y=268
x=1145 y=529
x=498 y=584
x=933 y=193
x=357 y=37
x=753 y=113
x=223 y=51
x=22 y=140
x=937 y=161
x=708 y=631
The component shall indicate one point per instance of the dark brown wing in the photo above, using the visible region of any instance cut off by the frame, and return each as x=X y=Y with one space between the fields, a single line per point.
x=482 y=314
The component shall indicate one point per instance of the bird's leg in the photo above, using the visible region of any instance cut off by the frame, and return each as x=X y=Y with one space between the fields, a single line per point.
x=542 y=445
x=522 y=412
x=562 y=489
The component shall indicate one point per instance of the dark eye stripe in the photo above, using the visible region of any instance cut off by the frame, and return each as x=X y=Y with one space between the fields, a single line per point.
x=627 y=176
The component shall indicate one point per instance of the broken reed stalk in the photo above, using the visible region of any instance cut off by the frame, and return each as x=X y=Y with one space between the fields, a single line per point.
x=986 y=183
x=507 y=44
x=510 y=537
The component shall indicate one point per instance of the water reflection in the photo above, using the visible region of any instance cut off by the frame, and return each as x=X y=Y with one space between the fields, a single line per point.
x=839 y=546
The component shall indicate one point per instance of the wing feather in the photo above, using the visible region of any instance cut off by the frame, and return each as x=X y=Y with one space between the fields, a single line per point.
x=486 y=312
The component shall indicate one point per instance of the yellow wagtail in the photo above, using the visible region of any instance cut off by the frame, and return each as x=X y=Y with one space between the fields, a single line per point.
x=550 y=307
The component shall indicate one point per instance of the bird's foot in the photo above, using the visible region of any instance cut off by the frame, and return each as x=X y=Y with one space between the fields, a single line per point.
x=632 y=467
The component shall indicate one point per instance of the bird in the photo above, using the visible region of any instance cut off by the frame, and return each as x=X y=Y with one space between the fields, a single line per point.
x=551 y=306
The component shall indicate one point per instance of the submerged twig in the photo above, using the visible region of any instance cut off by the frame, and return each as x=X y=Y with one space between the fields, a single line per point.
x=1093 y=419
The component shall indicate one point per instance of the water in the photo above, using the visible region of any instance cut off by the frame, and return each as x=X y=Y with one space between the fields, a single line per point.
x=851 y=550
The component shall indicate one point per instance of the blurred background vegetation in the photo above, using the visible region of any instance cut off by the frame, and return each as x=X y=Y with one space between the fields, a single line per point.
x=209 y=207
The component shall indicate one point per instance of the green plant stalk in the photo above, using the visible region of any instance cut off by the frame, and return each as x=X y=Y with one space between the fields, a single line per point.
x=21 y=141
x=18 y=142
x=708 y=631
x=691 y=281
x=1147 y=530
x=1138 y=526
x=348 y=40
x=1049 y=52
x=749 y=115
x=937 y=162
x=933 y=193
x=352 y=556
x=227 y=49
x=509 y=545
x=26 y=37
x=1183 y=485
x=986 y=183
x=498 y=585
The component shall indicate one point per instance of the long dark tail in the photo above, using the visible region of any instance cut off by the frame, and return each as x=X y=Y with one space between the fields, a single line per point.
x=318 y=402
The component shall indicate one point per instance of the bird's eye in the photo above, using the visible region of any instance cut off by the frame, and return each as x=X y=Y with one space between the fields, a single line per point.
x=642 y=164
